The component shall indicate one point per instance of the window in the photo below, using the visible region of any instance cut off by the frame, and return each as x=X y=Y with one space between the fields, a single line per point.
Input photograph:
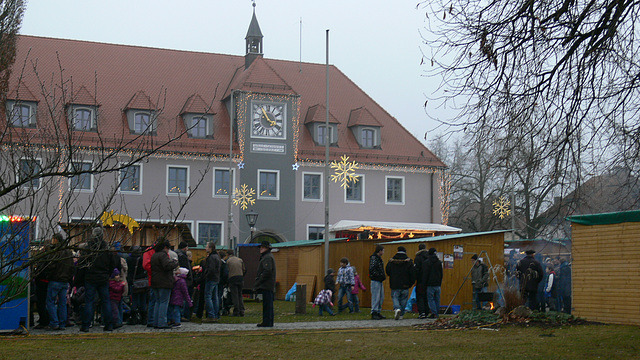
x=22 y=116
x=81 y=180
x=395 y=190
x=177 y=180
x=28 y=170
x=322 y=133
x=209 y=232
x=222 y=184
x=368 y=138
x=142 y=123
x=198 y=127
x=82 y=119
x=355 y=191
x=268 y=184
x=311 y=186
x=131 y=179
x=315 y=232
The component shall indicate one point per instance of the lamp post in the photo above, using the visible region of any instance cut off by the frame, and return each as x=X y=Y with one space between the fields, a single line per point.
x=252 y=217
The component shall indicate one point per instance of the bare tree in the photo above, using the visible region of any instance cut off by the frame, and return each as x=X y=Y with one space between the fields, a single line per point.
x=576 y=63
x=11 y=12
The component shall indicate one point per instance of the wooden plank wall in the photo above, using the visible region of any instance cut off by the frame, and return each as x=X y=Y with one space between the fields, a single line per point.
x=606 y=272
x=309 y=260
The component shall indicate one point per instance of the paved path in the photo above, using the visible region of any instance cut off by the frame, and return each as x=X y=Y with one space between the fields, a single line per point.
x=195 y=327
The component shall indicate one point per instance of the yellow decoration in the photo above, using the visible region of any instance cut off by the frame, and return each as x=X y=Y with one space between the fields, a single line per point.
x=501 y=207
x=344 y=172
x=108 y=218
x=244 y=197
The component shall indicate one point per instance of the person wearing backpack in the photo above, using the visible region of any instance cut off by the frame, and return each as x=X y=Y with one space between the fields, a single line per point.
x=530 y=273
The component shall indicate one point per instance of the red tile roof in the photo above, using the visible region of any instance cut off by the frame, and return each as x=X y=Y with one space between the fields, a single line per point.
x=119 y=77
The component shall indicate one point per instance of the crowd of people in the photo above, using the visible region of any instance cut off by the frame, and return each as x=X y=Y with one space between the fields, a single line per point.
x=157 y=287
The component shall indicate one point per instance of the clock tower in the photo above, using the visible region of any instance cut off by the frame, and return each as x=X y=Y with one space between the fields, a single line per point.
x=253 y=41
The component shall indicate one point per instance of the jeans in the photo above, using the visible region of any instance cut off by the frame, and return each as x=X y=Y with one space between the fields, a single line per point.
x=161 y=307
x=211 y=299
x=175 y=313
x=90 y=297
x=344 y=290
x=353 y=299
x=400 y=297
x=326 y=308
x=267 y=307
x=433 y=298
x=152 y=307
x=476 y=298
x=57 y=313
x=139 y=302
x=377 y=296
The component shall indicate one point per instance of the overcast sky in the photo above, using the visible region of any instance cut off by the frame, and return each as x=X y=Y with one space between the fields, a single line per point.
x=376 y=43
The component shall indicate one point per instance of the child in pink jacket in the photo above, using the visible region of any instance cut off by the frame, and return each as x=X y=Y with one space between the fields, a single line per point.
x=355 y=290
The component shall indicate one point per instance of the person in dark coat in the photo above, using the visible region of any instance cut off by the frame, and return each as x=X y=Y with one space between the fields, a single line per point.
x=479 y=280
x=184 y=262
x=402 y=275
x=212 y=279
x=377 y=275
x=162 y=268
x=421 y=287
x=530 y=273
x=139 y=297
x=432 y=273
x=330 y=283
x=61 y=274
x=236 y=282
x=96 y=267
x=266 y=283
x=564 y=285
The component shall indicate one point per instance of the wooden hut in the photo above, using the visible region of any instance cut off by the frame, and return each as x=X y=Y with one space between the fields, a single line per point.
x=303 y=262
x=606 y=264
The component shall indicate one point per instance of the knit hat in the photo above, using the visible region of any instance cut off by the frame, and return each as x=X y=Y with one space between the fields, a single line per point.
x=182 y=245
x=183 y=271
x=432 y=251
x=474 y=257
x=402 y=249
x=330 y=271
x=115 y=273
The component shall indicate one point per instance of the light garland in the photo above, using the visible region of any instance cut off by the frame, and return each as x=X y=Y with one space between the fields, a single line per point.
x=445 y=195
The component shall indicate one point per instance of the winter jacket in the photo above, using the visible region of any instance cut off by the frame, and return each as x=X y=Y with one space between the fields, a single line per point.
x=419 y=260
x=479 y=275
x=266 y=274
x=116 y=289
x=180 y=292
x=376 y=268
x=183 y=261
x=345 y=276
x=358 y=285
x=432 y=271
x=530 y=273
x=401 y=271
x=99 y=263
x=146 y=261
x=564 y=279
x=324 y=298
x=329 y=283
x=136 y=270
x=551 y=284
x=162 y=268
x=62 y=267
x=236 y=269
x=212 y=270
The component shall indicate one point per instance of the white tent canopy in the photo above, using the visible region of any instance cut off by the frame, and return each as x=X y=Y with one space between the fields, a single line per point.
x=390 y=226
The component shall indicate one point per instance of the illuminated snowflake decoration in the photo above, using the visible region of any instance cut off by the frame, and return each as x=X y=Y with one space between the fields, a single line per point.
x=244 y=197
x=501 y=207
x=344 y=172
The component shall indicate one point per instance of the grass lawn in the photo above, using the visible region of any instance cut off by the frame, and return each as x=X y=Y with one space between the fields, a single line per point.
x=510 y=342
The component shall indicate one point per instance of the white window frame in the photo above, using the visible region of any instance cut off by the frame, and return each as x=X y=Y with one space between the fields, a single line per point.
x=374 y=140
x=277 y=172
x=386 y=190
x=197 y=232
x=187 y=188
x=362 y=178
x=151 y=129
x=31 y=123
x=232 y=181
x=309 y=226
x=91 y=177
x=321 y=195
x=92 y=118
x=128 y=192
x=18 y=173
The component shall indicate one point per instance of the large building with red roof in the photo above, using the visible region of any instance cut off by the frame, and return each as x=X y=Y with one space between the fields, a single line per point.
x=203 y=125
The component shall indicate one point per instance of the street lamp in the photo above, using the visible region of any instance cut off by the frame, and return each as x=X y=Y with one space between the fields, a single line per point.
x=252 y=217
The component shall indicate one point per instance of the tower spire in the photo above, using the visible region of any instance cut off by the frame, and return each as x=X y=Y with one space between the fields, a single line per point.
x=253 y=40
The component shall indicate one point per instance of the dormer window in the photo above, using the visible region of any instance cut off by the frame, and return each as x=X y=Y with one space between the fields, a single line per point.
x=199 y=126
x=141 y=114
x=321 y=134
x=21 y=114
x=368 y=138
x=365 y=128
x=83 y=118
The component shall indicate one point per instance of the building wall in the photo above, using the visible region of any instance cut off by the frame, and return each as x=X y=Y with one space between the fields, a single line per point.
x=606 y=272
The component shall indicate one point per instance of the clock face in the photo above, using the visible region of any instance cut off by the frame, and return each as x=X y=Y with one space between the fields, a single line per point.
x=267 y=120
